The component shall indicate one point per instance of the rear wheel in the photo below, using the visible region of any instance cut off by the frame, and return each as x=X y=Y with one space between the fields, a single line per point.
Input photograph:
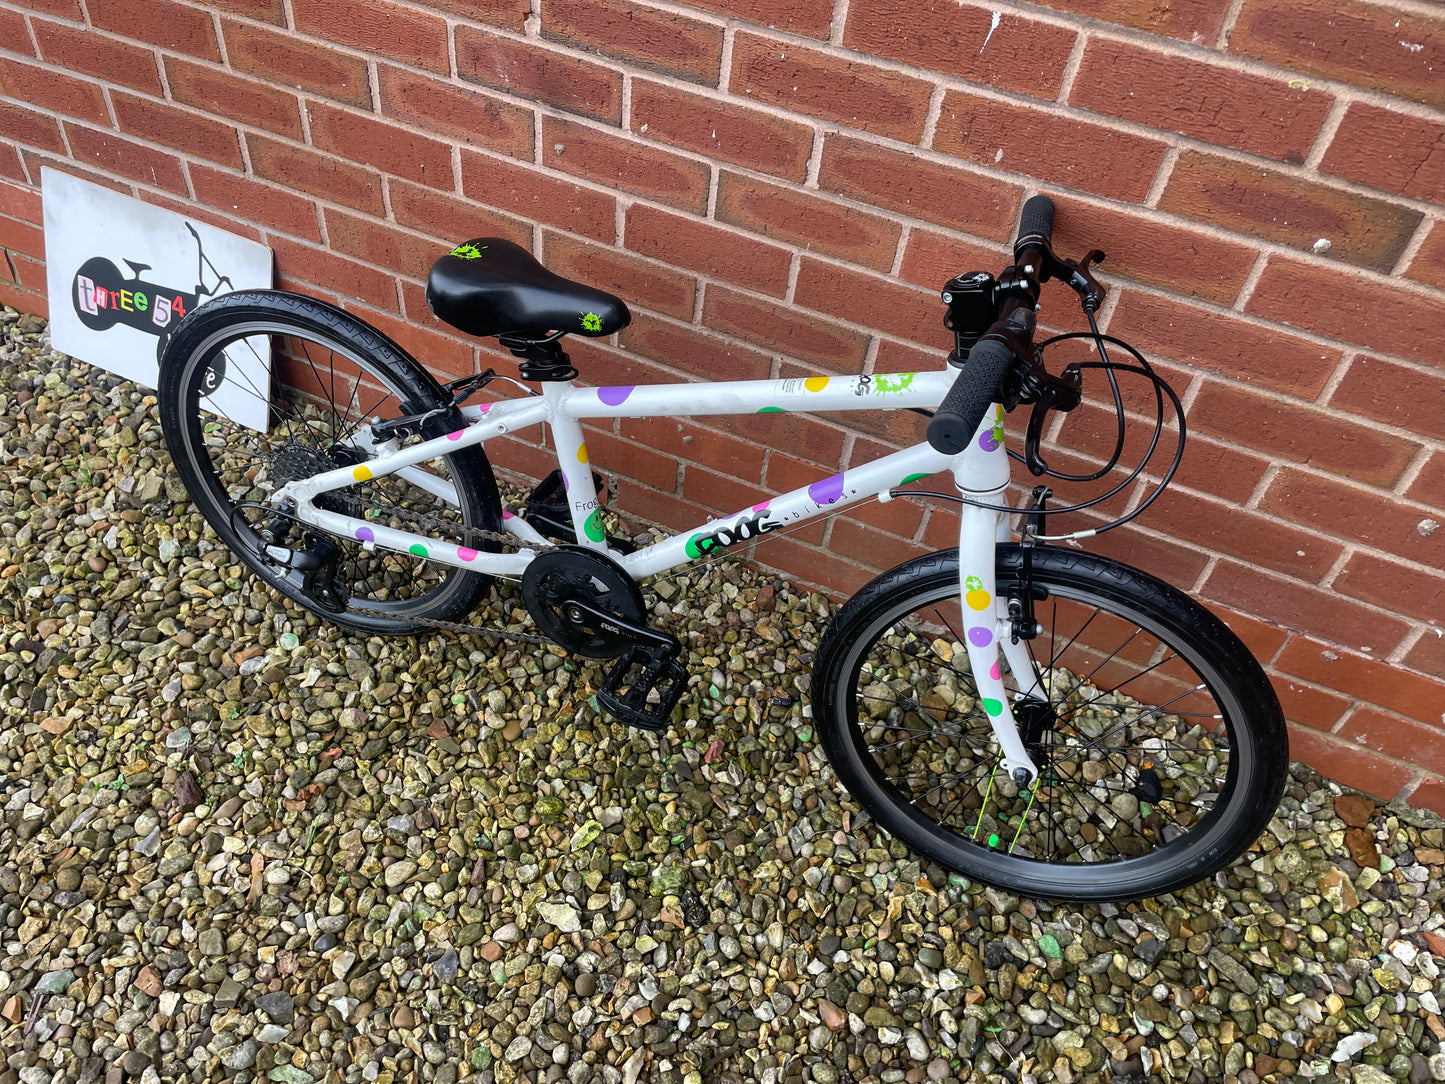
x=237 y=434
x=1161 y=747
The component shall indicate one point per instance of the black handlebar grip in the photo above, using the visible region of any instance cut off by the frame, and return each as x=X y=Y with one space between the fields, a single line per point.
x=1036 y=223
x=977 y=385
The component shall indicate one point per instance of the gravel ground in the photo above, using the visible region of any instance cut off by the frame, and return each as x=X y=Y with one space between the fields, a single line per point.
x=236 y=844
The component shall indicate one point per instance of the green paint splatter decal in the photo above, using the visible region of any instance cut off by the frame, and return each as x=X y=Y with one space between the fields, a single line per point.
x=467 y=252
x=591 y=321
x=893 y=387
x=593 y=526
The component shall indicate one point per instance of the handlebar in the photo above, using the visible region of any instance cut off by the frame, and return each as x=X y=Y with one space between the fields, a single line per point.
x=958 y=416
x=1036 y=225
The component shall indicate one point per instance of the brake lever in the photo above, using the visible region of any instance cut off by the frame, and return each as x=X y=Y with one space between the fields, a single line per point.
x=1061 y=392
x=1082 y=281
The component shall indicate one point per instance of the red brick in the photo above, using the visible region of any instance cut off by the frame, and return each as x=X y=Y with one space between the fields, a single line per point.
x=663 y=41
x=109 y=152
x=319 y=174
x=531 y=193
x=29 y=273
x=1164 y=254
x=946 y=195
x=693 y=351
x=1263 y=203
x=809 y=17
x=721 y=129
x=807 y=220
x=1359 y=515
x=444 y=356
x=1384 y=317
x=535 y=71
x=811 y=565
x=242 y=197
x=1394 y=394
x=1430 y=794
x=187 y=209
x=883 y=304
x=402 y=35
x=1297 y=432
x=866 y=545
x=695 y=443
x=1307 y=704
x=1261 y=638
x=1392 y=586
x=380 y=244
x=453 y=219
x=1429 y=487
x=35 y=161
x=65 y=9
x=88 y=53
x=783 y=329
x=901 y=516
x=382 y=145
x=1372 y=680
x=267 y=11
x=172 y=25
x=634 y=460
x=1347 y=763
x=27 y=126
x=24 y=301
x=1392 y=50
x=1428 y=266
x=1043 y=144
x=510 y=14
x=640 y=283
x=721 y=494
x=1206 y=101
x=847 y=92
x=1223 y=344
x=1239 y=532
x=1298 y=606
x=964 y=42
x=277 y=57
x=199 y=136
x=21 y=201
x=467 y=116
x=654 y=506
x=1198 y=21
x=322 y=268
x=245 y=100
x=702 y=247
x=22 y=237
x=1389 y=150
x=1428 y=654
x=14 y=33
x=932 y=259
x=53 y=92
x=626 y=164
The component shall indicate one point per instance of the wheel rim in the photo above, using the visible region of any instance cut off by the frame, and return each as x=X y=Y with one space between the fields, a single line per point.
x=1135 y=748
x=321 y=394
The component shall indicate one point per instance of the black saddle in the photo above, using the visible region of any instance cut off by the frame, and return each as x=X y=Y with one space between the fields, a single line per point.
x=490 y=286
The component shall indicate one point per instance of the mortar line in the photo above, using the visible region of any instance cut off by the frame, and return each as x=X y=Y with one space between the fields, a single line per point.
x=1326 y=135
x=1071 y=67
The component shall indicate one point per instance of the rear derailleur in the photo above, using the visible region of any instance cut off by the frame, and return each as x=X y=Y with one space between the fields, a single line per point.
x=584 y=601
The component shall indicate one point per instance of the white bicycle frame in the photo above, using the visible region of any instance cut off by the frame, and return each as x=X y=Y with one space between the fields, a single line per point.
x=981 y=472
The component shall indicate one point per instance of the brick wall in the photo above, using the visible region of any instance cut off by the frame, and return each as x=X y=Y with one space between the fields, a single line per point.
x=781 y=186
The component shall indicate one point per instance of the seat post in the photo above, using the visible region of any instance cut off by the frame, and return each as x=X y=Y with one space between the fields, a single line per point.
x=542 y=359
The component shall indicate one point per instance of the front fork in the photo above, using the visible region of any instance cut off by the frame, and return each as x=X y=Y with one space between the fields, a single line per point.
x=988 y=628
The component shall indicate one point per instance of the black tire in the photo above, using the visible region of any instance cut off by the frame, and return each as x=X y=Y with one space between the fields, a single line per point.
x=308 y=430
x=895 y=716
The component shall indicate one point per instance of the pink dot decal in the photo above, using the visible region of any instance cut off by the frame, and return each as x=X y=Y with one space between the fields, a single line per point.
x=980 y=637
x=457 y=435
x=365 y=534
x=762 y=507
x=995 y=671
x=615 y=396
x=508 y=515
x=471 y=555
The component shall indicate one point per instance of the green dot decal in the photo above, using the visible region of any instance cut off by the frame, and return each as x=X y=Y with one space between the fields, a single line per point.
x=993 y=840
x=419 y=550
x=993 y=707
x=771 y=410
x=913 y=478
x=593 y=526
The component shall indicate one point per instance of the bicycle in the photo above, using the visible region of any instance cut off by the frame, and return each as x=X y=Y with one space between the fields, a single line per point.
x=1037 y=718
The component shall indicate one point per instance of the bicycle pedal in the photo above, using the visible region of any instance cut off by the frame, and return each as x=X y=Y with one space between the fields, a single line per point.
x=636 y=674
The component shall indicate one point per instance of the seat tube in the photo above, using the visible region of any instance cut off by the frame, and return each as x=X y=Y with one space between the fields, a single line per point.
x=575 y=464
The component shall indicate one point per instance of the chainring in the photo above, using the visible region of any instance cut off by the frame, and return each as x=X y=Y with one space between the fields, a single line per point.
x=573 y=574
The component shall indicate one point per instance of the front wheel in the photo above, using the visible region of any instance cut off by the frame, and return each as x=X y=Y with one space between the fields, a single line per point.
x=1161 y=747
x=263 y=388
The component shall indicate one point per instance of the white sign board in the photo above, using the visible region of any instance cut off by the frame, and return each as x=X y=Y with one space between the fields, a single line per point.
x=121 y=274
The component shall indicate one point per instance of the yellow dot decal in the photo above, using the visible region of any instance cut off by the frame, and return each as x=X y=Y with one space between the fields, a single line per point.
x=816 y=383
x=582 y=454
x=362 y=474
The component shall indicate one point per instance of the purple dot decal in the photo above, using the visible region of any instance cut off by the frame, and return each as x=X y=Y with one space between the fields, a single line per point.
x=365 y=534
x=995 y=672
x=615 y=396
x=827 y=491
x=980 y=637
x=988 y=442
x=471 y=555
